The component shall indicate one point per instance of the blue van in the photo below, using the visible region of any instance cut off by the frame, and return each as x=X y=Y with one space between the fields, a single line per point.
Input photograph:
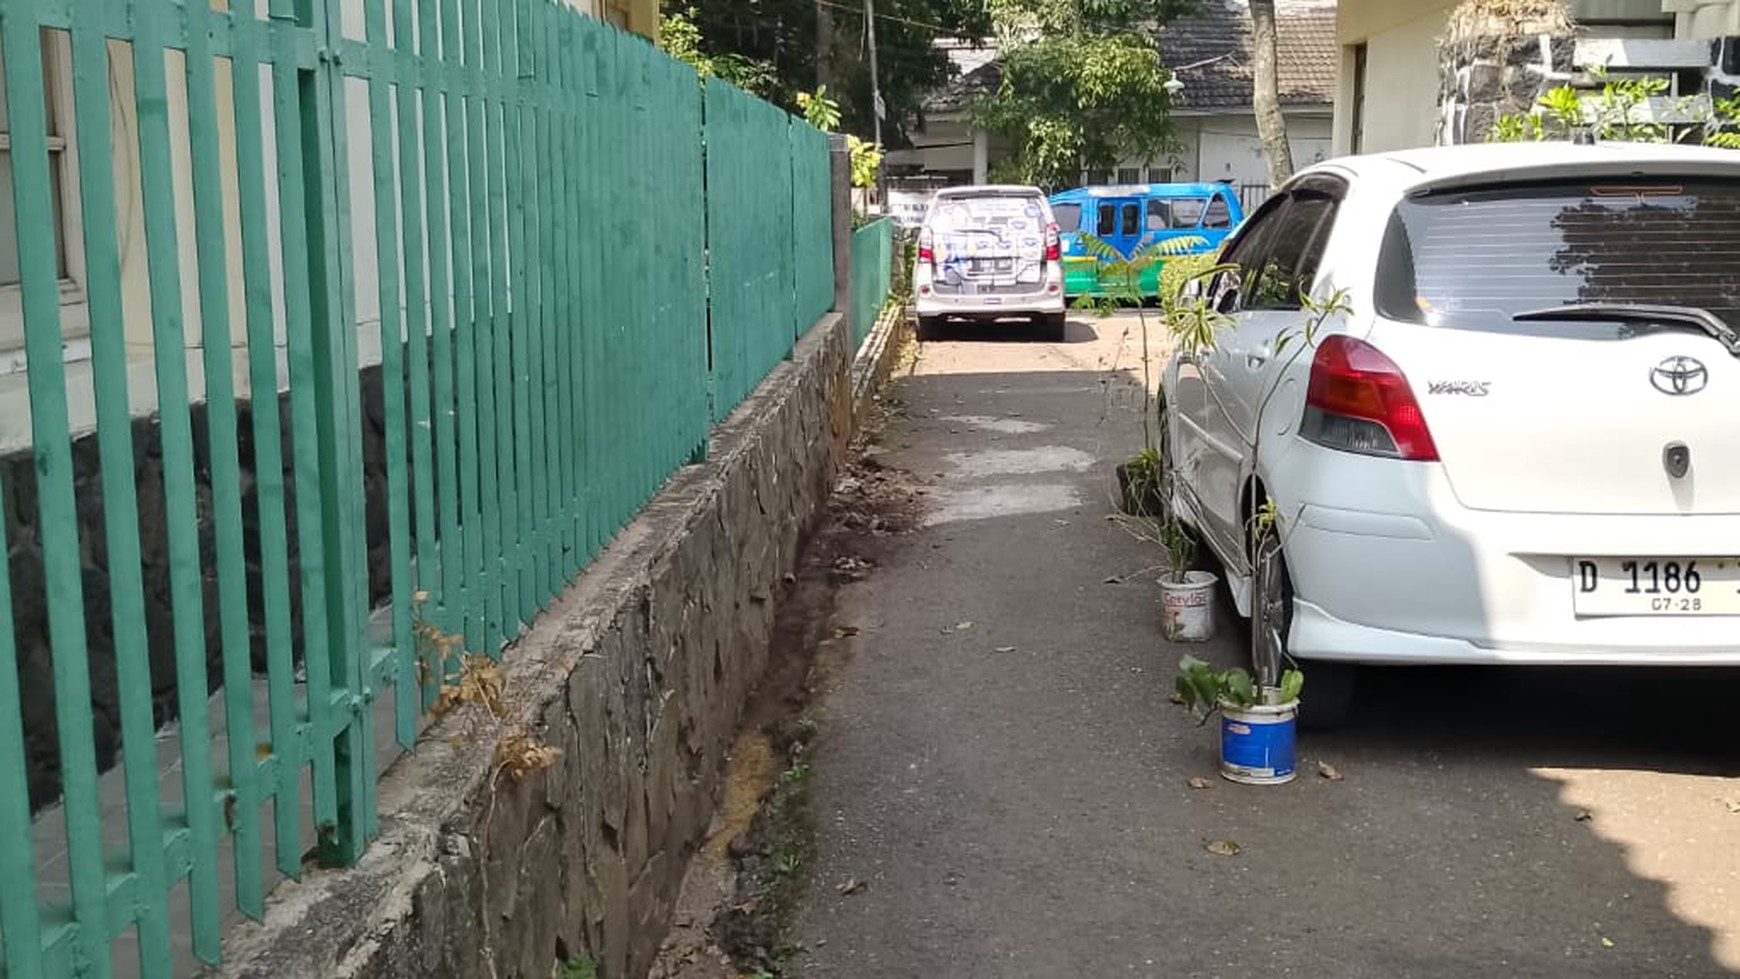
x=1130 y=217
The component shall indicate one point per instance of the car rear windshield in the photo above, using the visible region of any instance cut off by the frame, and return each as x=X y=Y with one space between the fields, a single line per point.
x=1000 y=212
x=1473 y=258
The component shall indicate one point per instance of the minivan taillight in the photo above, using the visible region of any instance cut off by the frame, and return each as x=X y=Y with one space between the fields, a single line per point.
x=925 y=252
x=1053 y=246
x=1359 y=401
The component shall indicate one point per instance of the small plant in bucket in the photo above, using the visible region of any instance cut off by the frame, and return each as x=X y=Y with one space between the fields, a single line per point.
x=1257 y=723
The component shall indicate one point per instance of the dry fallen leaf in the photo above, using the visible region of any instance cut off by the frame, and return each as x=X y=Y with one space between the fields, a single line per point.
x=842 y=632
x=1198 y=782
x=1222 y=848
x=963 y=626
x=1606 y=942
x=1584 y=815
x=1005 y=649
x=1176 y=697
x=851 y=885
x=1732 y=804
x=1114 y=580
x=1328 y=771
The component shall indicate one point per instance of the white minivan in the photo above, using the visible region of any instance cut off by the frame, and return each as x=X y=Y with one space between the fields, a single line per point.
x=988 y=252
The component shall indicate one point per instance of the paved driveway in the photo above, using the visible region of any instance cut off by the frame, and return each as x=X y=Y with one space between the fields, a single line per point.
x=999 y=764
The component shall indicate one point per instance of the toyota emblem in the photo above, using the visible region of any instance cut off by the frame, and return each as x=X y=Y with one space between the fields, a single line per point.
x=1679 y=375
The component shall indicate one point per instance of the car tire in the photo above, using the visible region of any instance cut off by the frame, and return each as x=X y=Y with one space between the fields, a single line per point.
x=1054 y=327
x=1329 y=686
x=929 y=327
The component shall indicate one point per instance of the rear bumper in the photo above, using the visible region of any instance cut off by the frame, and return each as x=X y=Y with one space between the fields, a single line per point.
x=1389 y=568
x=1020 y=304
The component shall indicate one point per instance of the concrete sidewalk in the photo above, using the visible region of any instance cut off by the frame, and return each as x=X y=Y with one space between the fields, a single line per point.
x=999 y=764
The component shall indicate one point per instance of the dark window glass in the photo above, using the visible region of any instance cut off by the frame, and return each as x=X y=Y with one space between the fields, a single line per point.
x=1217 y=214
x=1471 y=259
x=1132 y=219
x=1108 y=225
x=1129 y=175
x=1287 y=267
x=1068 y=217
x=1186 y=211
x=1159 y=214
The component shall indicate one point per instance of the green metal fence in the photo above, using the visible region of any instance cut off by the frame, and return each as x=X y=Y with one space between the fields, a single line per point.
x=872 y=274
x=523 y=195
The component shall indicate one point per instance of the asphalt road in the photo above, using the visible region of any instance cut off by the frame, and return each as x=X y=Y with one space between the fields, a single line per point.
x=1000 y=767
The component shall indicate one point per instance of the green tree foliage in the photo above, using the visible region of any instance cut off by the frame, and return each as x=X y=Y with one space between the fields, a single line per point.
x=770 y=48
x=1083 y=86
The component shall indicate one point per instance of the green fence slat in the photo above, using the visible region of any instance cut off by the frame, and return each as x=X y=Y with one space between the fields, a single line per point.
x=20 y=920
x=339 y=403
x=120 y=497
x=393 y=375
x=499 y=408
x=581 y=48
x=176 y=434
x=284 y=745
x=439 y=115
x=223 y=452
x=292 y=87
x=482 y=360
x=523 y=307
x=57 y=509
x=461 y=134
x=419 y=303
x=546 y=476
x=558 y=279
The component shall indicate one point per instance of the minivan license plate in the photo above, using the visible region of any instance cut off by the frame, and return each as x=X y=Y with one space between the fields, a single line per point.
x=1655 y=586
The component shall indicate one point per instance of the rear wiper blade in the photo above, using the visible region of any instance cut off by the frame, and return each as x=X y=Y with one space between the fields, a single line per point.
x=1696 y=316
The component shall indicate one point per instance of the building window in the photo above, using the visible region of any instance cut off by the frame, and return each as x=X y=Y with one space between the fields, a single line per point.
x=68 y=258
x=1098 y=177
x=1129 y=175
x=1357 y=114
x=1159 y=175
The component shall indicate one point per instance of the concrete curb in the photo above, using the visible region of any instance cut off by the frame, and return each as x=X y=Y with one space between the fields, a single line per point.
x=875 y=359
x=638 y=673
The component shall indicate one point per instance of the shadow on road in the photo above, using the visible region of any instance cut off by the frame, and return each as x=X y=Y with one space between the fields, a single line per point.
x=1662 y=719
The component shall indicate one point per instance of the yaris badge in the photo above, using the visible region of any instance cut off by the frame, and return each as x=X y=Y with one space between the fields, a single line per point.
x=1679 y=375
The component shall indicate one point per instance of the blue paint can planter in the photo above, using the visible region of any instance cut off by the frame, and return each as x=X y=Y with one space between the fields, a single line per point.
x=1256 y=743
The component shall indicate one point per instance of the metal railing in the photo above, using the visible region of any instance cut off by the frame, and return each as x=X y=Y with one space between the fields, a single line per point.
x=569 y=287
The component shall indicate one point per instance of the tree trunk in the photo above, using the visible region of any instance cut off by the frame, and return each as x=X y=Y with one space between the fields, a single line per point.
x=825 y=48
x=1266 y=93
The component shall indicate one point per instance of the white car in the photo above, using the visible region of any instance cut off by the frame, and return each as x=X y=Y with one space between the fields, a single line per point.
x=987 y=252
x=1518 y=441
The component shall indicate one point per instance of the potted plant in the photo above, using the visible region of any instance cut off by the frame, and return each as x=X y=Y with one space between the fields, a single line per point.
x=1144 y=481
x=1257 y=726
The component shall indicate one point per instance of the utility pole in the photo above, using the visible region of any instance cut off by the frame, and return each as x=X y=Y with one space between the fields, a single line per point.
x=876 y=106
x=825 y=45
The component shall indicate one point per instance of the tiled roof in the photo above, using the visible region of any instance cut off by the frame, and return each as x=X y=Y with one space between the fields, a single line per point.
x=1212 y=46
x=1305 y=54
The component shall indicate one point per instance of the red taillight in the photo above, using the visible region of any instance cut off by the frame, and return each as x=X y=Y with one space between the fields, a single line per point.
x=925 y=254
x=1359 y=401
x=1053 y=246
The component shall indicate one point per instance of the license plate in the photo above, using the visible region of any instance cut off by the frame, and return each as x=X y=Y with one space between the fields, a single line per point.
x=1656 y=586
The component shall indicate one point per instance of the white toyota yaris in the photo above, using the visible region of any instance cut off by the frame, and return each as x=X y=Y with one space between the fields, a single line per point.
x=1517 y=442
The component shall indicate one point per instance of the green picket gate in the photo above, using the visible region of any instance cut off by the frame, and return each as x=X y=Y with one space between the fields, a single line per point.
x=565 y=257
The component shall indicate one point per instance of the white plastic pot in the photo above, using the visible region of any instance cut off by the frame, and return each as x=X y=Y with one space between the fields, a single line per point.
x=1187 y=607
